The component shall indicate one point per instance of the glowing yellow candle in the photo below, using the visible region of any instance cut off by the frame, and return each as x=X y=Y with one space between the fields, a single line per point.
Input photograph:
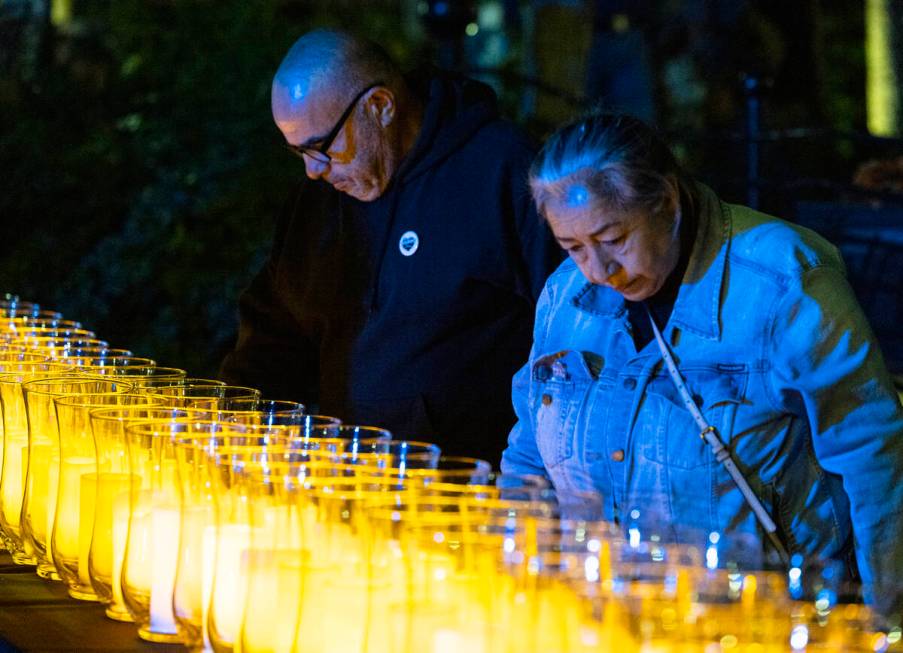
x=274 y=586
x=68 y=545
x=164 y=557
x=43 y=492
x=117 y=609
x=110 y=488
x=66 y=525
x=15 y=461
x=87 y=501
x=229 y=581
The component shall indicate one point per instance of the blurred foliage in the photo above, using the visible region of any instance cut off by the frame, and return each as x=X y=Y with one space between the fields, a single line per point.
x=142 y=172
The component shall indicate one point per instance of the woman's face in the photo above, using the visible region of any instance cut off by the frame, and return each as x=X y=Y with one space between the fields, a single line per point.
x=632 y=252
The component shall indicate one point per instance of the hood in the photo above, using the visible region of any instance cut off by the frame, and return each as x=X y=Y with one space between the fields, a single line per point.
x=455 y=107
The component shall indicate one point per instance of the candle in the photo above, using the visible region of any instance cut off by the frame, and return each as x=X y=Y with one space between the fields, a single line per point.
x=45 y=466
x=194 y=575
x=164 y=557
x=67 y=525
x=274 y=586
x=87 y=501
x=12 y=491
x=117 y=609
x=110 y=489
x=229 y=582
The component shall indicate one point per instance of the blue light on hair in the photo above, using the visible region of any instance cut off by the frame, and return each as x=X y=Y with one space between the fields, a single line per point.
x=577 y=195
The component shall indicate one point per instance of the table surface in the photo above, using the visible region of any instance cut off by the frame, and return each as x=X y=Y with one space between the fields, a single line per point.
x=39 y=615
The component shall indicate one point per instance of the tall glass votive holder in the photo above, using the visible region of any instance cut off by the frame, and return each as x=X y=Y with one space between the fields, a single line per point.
x=148 y=572
x=10 y=361
x=275 y=559
x=86 y=489
x=402 y=455
x=152 y=550
x=111 y=517
x=43 y=471
x=453 y=469
x=88 y=355
x=263 y=412
x=195 y=571
x=197 y=531
x=211 y=397
x=145 y=378
x=14 y=468
x=108 y=365
x=230 y=464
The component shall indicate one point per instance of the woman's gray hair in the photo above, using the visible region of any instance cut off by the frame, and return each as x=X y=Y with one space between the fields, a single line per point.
x=619 y=160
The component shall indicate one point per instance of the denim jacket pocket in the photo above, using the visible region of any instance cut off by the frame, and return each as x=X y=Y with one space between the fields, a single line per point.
x=674 y=437
x=560 y=382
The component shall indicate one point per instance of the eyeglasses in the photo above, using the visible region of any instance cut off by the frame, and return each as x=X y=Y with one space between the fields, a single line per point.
x=319 y=152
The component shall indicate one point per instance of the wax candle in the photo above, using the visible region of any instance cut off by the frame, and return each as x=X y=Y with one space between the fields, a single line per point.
x=87 y=501
x=45 y=467
x=110 y=488
x=229 y=582
x=164 y=557
x=15 y=460
x=117 y=609
x=66 y=526
x=273 y=601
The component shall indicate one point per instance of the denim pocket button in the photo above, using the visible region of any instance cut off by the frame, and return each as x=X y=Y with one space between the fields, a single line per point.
x=546 y=400
x=630 y=383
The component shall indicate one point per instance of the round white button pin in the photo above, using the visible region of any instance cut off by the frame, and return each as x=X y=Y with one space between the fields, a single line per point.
x=408 y=243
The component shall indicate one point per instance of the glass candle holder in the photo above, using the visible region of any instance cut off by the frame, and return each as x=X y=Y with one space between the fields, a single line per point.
x=154 y=377
x=56 y=343
x=81 y=356
x=87 y=489
x=263 y=412
x=151 y=555
x=15 y=455
x=211 y=397
x=10 y=361
x=453 y=469
x=21 y=323
x=230 y=463
x=402 y=455
x=45 y=464
x=275 y=558
x=112 y=509
x=347 y=588
x=105 y=365
x=193 y=583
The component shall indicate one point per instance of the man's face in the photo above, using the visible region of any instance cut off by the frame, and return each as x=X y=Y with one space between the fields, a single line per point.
x=358 y=161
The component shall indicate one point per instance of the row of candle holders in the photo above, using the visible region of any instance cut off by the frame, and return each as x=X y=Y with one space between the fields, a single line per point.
x=211 y=517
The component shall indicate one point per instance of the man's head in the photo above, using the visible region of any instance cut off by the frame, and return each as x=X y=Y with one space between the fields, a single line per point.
x=344 y=107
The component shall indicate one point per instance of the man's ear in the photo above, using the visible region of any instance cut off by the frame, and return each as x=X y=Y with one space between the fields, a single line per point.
x=381 y=105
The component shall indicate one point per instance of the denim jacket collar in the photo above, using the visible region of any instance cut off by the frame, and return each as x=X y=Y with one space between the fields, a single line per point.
x=699 y=300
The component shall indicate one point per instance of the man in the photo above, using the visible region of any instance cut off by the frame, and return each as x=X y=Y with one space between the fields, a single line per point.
x=401 y=284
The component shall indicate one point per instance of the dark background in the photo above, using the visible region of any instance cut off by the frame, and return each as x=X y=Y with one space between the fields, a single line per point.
x=140 y=172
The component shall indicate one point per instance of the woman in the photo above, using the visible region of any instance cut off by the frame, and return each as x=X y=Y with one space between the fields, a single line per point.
x=764 y=330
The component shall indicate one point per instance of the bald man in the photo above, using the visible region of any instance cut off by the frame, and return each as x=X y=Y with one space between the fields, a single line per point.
x=401 y=285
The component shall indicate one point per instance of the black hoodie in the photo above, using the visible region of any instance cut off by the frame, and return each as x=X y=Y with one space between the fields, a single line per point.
x=422 y=344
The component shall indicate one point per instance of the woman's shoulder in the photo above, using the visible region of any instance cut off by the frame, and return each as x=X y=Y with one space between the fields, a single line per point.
x=565 y=281
x=762 y=240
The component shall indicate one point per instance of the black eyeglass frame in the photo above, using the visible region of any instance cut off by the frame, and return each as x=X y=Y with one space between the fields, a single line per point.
x=321 y=153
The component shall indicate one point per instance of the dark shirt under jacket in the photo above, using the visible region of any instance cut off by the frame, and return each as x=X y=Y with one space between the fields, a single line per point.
x=424 y=345
x=661 y=303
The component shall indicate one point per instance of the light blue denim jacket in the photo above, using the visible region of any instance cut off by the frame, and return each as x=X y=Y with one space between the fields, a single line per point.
x=776 y=351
